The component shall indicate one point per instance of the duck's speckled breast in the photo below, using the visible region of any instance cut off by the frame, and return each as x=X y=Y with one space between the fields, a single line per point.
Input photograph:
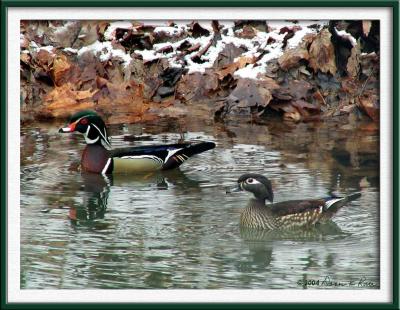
x=258 y=215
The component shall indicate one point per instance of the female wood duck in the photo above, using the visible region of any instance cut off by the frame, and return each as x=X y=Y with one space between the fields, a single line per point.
x=287 y=214
x=98 y=157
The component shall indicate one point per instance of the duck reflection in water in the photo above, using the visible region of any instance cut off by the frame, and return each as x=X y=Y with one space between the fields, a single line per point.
x=97 y=187
x=261 y=242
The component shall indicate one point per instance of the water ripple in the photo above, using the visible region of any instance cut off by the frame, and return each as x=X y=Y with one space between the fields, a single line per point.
x=179 y=229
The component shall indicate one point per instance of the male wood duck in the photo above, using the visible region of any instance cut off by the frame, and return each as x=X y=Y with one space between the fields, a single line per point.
x=290 y=214
x=99 y=157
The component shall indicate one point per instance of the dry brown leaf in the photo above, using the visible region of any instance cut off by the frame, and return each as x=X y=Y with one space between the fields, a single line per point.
x=198 y=31
x=102 y=27
x=351 y=86
x=252 y=93
x=297 y=110
x=322 y=53
x=26 y=58
x=60 y=68
x=292 y=57
x=348 y=108
x=295 y=89
x=285 y=107
x=369 y=103
x=299 y=89
x=24 y=42
x=65 y=99
x=123 y=94
x=248 y=32
x=44 y=59
x=101 y=82
x=63 y=33
x=227 y=70
x=245 y=60
x=308 y=39
x=62 y=101
x=231 y=68
x=302 y=104
x=353 y=62
x=292 y=116
x=88 y=33
x=318 y=96
x=228 y=55
x=196 y=86
x=67 y=107
x=366 y=27
x=84 y=94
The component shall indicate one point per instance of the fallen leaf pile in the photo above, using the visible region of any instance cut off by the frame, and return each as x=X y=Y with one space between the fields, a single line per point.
x=133 y=71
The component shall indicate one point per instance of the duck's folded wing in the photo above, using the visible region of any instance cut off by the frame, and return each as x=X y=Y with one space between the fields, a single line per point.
x=296 y=206
x=160 y=151
x=169 y=155
x=177 y=157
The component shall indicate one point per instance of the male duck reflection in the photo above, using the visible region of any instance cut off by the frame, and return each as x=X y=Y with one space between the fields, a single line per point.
x=98 y=157
x=287 y=214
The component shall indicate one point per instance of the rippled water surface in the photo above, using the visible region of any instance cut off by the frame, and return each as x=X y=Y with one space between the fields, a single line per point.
x=179 y=229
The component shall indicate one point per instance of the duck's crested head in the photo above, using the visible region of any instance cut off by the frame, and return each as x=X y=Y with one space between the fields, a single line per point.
x=91 y=125
x=257 y=184
x=84 y=113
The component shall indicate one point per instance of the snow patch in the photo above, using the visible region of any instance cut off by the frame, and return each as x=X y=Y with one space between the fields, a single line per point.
x=109 y=34
x=63 y=28
x=344 y=34
x=148 y=55
x=172 y=31
x=158 y=23
x=254 y=46
x=105 y=51
x=36 y=48
x=250 y=71
x=71 y=50
x=48 y=48
x=33 y=46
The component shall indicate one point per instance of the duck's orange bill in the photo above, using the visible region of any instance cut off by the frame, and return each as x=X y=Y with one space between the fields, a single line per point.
x=70 y=128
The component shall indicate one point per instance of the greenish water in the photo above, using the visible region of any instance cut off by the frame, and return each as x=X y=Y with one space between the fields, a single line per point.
x=179 y=229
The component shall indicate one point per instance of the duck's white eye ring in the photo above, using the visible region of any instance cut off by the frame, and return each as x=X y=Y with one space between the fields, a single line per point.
x=250 y=181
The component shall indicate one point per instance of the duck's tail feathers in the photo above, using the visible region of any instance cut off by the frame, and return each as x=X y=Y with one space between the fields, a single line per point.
x=353 y=196
x=333 y=204
x=186 y=152
x=198 y=148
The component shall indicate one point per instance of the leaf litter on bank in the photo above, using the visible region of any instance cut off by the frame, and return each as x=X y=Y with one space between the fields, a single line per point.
x=316 y=77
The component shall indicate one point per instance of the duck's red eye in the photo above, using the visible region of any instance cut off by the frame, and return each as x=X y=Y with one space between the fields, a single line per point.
x=84 y=121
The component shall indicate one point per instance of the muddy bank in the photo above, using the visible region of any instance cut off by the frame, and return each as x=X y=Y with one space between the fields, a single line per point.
x=135 y=72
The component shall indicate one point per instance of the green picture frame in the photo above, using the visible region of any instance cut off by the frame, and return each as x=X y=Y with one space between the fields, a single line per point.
x=393 y=5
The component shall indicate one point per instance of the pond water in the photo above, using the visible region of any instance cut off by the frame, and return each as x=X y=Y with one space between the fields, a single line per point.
x=179 y=229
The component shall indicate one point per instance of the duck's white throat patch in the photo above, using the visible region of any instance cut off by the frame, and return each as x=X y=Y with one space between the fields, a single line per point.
x=87 y=139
